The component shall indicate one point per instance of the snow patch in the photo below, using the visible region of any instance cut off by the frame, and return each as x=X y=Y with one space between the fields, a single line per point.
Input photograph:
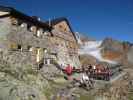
x=93 y=48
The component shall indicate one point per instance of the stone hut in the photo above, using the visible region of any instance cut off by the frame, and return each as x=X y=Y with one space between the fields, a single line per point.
x=21 y=33
x=64 y=42
x=43 y=42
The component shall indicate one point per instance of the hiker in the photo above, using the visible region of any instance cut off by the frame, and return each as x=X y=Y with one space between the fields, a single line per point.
x=68 y=69
x=94 y=71
x=108 y=73
x=86 y=82
x=90 y=71
x=91 y=75
x=84 y=79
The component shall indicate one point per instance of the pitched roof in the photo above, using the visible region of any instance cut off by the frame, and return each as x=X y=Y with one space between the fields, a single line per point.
x=25 y=17
x=60 y=19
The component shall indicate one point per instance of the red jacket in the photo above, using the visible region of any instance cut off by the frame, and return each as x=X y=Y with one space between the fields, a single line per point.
x=68 y=70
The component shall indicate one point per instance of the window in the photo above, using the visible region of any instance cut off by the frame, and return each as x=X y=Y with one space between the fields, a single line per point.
x=34 y=50
x=23 y=25
x=46 y=33
x=39 y=32
x=65 y=29
x=45 y=50
x=19 y=22
x=47 y=61
x=60 y=26
x=33 y=29
x=14 y=21
x=13 y=46
x=67 y=44
x=19 y=47
x=30 y=48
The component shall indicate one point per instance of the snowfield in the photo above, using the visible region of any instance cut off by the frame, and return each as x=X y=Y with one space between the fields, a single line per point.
x=93 y=48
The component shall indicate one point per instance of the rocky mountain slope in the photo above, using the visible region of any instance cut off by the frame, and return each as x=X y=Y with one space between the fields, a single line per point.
x=118 y=51
x=21 y=80
x=93 y=48
x=108 y=50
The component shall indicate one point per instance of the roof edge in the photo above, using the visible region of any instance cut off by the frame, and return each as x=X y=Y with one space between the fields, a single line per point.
x=60 y=19
x=21 y=15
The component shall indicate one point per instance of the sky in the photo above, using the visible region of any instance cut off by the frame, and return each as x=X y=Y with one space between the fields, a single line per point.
x=94 y=18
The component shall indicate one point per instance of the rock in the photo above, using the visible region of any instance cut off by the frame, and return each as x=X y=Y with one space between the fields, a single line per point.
x=50 y=72
x=111 y=44
x=13 y=89
x=65 y=94
x=19 y=80
x=87 y=59
x=112 y=50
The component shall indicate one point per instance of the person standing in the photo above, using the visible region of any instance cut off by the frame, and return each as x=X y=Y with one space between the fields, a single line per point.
x=68 y=69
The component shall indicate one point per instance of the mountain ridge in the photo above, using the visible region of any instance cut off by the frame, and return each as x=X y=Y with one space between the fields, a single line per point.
x=108 y=50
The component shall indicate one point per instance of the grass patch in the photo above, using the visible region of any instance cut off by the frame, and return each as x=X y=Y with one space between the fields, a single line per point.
x=86 y=97
x=48 y=93
x=130 y=96
x=51 y=90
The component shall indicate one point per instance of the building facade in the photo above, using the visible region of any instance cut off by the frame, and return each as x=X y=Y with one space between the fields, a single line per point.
x=65 y=42
x=43 y=41
x=22 y=33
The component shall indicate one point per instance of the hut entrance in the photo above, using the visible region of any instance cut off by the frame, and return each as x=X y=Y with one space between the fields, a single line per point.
x=40 y=54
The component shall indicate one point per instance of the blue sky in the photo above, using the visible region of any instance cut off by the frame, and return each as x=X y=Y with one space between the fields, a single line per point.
x=95 y=18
